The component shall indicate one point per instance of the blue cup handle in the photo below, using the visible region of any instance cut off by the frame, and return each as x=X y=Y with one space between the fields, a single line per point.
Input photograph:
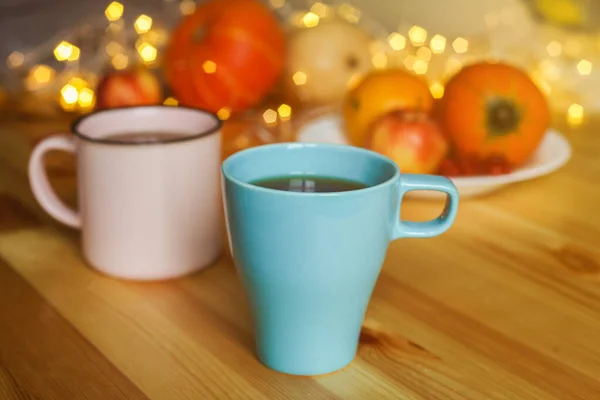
x=437 y=226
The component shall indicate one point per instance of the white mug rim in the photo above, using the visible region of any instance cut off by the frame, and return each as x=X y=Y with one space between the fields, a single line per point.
x=159 y=108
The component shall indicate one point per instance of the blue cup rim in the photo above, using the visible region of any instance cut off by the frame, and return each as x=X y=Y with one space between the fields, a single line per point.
x=297 y=145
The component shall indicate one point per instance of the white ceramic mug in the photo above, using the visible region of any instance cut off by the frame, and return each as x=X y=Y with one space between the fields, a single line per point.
x=147 y=211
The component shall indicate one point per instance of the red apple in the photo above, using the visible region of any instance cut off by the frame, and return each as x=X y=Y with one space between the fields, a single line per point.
x=413 y=140
x=135 y=87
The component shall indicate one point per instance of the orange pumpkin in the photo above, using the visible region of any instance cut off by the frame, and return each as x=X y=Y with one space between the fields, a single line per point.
x=226 y=55
x=377 y=94
x=494 y=108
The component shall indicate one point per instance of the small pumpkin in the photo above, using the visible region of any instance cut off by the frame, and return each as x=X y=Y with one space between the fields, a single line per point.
x=226 y=55
x=379 y=93
x=494 y=108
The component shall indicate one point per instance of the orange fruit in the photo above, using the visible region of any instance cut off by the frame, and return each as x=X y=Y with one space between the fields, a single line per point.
x=379 y=93
x=494 y=108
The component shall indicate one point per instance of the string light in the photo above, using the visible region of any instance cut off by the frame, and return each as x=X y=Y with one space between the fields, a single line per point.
x=113 y=48
x=147 y=52
x=310 y=20
x=575 y=52
x=379 y=60
x=142 y=24
x=86 y=99
x=63 y=51
x=39 y=76
x=15 y=59
x=69 y=94
x=584 y=67
x=187 y=7
x=437 y=44
x=120 y=61
x=424 y=54
x=420 y=67
x=417 y=35
x=460 y=45
x=397 y=41
x=320 y=9
x=277 y=3
x=554 y=48
x=114 y=11
x=299 y=78
x=270 y=116
x=75 y=52
x=284 y=111
x=349 y=13
x=409 y=62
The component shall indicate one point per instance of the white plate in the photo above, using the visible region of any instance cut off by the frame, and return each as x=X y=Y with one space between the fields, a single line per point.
x=553 y=153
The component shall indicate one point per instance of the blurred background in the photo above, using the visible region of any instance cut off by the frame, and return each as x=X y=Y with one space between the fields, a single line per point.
x=60 y=55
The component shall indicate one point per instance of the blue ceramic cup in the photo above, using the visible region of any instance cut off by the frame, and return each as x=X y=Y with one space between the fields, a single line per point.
x=309 y=261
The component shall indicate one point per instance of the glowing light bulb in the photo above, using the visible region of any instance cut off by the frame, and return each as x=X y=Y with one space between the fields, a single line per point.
x=310 y=19
x=299 y=78
x=424 y=54
x=379 y=60
x=460 y=45
x=86 y=98
x=142 y=24
x=320 y=9
x=187 y=7
x=554 y=48
x=270 y=116
x=69 y=94
x=114 y=11
x=417 y=35
x=15 y=59
x=64 y=51
x=147 y=52
x=397 y=41
x=420 y=67
x=120 y=61
x=584 y=67
x=437 y=44
x=277 y=3
x=284 y=111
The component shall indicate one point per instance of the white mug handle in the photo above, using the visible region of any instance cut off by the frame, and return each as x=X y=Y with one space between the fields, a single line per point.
x=38 y=179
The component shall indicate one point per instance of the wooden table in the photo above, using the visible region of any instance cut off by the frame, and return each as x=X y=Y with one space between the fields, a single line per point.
x=505 y=305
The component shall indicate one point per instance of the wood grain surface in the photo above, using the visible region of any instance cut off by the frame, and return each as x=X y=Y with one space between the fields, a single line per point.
x=505 y=305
